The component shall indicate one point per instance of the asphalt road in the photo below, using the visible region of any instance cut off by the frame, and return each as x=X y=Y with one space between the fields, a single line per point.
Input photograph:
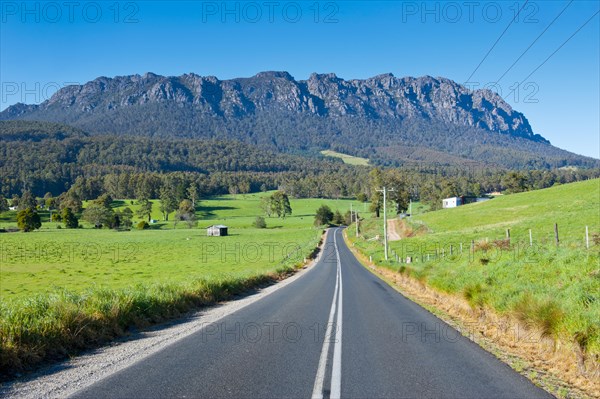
x=338 y=331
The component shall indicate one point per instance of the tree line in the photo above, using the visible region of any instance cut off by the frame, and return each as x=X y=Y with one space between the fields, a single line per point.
x=58 y=167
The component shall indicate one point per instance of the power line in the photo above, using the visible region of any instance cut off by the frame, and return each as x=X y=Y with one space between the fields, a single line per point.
x=497 y=40
x=554 y=52
x=536 y=39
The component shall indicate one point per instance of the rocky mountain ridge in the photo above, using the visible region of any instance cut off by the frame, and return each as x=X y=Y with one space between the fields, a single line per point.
x=325 y=95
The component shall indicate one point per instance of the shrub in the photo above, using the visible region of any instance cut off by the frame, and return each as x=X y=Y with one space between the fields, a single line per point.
x=143 y=225
x=338 y=218
x=259 y=223
x=545 y=315
x=483 y=245
x=28 y=220
x=69 y=218
x=502 y=244
x=585 y=336
x=475 y=295
x=324 y=216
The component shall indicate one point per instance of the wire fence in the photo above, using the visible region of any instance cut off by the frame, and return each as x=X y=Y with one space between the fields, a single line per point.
x=525 y=245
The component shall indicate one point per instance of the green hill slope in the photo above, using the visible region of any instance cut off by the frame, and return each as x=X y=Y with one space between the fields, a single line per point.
x=464 y=251
x=571 y=206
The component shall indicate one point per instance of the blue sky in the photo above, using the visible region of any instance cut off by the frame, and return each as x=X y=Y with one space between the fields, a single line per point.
x=46 y=45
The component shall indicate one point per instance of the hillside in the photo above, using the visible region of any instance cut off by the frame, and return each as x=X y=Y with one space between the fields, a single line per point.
x=49 y=157
x=554 y=289
x=389 y=120
x=572 y=206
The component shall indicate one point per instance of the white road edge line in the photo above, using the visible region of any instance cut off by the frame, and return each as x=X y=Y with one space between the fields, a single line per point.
x=320 y=378
x=336 y=371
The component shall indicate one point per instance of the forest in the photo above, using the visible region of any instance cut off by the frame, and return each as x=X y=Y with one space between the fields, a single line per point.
x=48 y=160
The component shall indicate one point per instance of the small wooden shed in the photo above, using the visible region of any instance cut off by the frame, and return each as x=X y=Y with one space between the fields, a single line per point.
x=217 y=230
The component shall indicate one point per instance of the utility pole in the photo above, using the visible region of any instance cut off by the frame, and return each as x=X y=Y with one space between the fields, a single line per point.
x=385 y=237
x=355 y=218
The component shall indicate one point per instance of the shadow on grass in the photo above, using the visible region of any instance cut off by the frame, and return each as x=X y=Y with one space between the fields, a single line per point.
x=209 y=212
x=10 y=216
x=120 y=203
x=157 y=226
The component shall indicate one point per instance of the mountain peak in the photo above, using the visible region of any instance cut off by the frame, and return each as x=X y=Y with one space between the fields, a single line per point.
x=274 y=74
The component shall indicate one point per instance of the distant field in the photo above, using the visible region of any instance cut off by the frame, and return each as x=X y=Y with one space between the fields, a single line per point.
x=348 y=159
x=557 y=287
x=51 y=258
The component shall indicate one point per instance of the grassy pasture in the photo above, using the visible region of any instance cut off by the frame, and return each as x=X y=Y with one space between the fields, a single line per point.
x=348 y=159
x=52 y=259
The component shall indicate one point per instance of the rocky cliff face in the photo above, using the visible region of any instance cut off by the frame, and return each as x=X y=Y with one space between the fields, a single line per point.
x=426 y=98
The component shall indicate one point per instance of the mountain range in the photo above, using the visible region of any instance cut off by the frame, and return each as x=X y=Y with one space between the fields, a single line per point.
x=391 y=121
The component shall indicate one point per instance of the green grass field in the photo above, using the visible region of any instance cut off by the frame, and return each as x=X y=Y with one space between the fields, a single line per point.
x=348 y=159
x=51 y=258
x=556 y=288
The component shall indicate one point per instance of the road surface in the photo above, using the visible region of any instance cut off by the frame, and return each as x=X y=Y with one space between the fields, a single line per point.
x=338 y=331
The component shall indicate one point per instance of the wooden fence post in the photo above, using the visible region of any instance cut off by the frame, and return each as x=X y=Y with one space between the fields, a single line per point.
x=508 y=235
x=530 y=239
x=587 y=238
x=556 y=233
